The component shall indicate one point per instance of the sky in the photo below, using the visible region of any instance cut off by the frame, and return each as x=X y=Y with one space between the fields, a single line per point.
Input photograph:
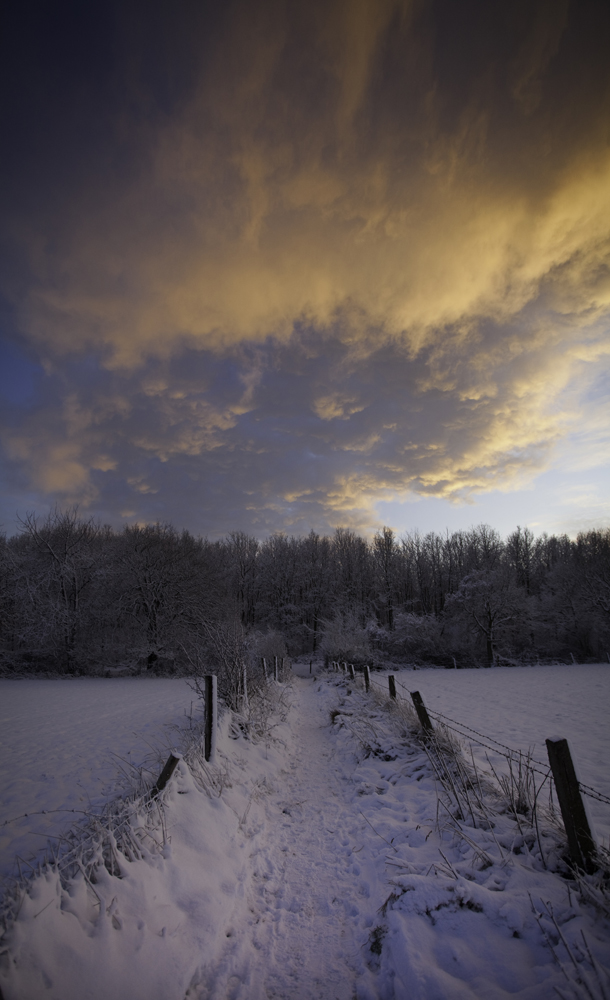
x=270 y=266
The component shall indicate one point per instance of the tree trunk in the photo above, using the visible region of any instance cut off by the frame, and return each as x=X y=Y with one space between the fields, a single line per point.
x=490 y=653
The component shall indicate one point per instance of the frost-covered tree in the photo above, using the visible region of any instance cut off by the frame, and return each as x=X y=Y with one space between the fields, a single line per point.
x=491 y=607
x=386 y=567
x=352 y=574
x=78 y=596
x=57 y=572
x=240 y=553
x=160 y=583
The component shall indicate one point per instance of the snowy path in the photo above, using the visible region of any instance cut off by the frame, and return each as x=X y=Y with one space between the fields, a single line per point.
x=317 y=879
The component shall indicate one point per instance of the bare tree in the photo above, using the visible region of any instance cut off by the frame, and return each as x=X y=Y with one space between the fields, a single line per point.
x=489 y=604
x=241 y=552
x=66 y=554
x=386 y=563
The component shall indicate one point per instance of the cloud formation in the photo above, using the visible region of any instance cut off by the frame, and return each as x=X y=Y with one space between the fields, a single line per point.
x=365 y=251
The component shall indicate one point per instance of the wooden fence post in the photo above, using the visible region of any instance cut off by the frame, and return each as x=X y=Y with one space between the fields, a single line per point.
x=211 y=716
x=392 y=686
x=352 y=672
x=244 y=703
x=264 y=662
x=580 y=840
x=275 y=668
x=367 y=678
x=422 y=712
x=166 y=773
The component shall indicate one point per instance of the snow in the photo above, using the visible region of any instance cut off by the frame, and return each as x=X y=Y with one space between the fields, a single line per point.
x=522 y=707
x=310 y=865
x=61 y=742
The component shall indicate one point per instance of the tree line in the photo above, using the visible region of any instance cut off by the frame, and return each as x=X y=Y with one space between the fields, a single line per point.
x=78 y=596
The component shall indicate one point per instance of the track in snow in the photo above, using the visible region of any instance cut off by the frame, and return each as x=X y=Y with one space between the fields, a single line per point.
x=316 y=882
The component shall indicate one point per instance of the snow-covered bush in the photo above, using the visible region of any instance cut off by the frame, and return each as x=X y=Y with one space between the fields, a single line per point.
x=414 y=637
x=344 y=638
x=267 y=644
x=223 y=650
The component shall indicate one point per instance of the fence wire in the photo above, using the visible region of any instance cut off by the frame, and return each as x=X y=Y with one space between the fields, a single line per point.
x=510 y=753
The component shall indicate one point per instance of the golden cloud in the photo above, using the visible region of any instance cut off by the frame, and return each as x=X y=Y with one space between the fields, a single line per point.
x=255 y=214
x=317 y=178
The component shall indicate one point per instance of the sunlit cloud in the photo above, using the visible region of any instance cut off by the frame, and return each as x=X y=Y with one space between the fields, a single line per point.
x=342 y=271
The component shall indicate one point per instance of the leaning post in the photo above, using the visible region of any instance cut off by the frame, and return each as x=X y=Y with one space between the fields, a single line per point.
x=367 y=678
x=392 y=686
x=170 y=766
x=352 y=672
x=210 y=716
x=580 y=840
x=422 y=712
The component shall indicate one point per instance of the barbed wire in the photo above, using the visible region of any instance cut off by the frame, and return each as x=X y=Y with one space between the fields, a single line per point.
x=510 y=751
x=593 y=793
x=508 y=756
x=587 y=790
x=42 y=812
x=456 y=722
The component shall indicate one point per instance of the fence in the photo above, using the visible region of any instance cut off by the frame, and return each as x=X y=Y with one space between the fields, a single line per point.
x=210 y=701
x=581 y=845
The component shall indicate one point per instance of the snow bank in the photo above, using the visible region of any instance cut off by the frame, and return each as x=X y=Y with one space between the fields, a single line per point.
x=63 y=743
x=142 y=932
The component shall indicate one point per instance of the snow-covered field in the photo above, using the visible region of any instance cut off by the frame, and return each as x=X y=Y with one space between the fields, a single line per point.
x=521 y=707
x=311 y=866
x=62 y=742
